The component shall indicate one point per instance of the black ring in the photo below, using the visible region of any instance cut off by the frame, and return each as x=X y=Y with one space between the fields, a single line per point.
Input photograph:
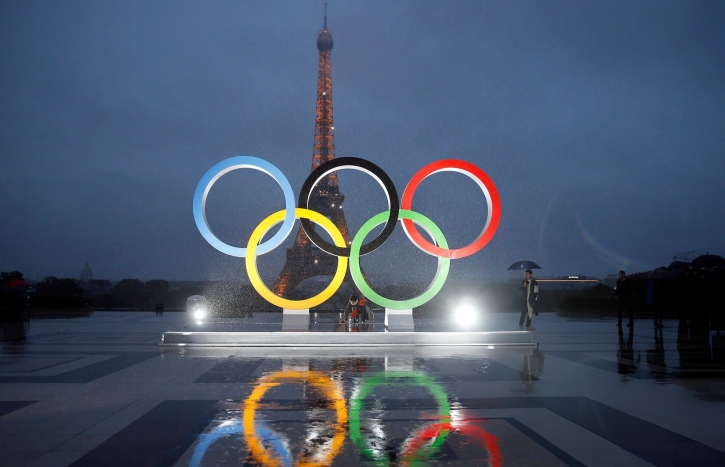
x=365 y=166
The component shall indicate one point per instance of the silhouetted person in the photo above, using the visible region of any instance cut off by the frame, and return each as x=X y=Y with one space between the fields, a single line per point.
x=532 y=294
x=651 y=299
x=683 y=297
x=700 y=302
x=657 y=305
x=623 y=295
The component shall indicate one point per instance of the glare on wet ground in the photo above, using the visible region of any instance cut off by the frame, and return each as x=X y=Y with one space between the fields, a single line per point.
x=97 y=390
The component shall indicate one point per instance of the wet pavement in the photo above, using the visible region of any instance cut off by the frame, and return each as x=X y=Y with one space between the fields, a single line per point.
x=97 y=390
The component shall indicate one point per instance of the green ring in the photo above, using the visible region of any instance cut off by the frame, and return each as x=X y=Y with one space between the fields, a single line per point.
x=408 y=378
x=441 y=273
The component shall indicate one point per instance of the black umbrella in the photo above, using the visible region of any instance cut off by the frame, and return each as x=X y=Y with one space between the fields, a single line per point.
x=676 y=265
x=523 y=265
x=707 y=262
x=686 y=256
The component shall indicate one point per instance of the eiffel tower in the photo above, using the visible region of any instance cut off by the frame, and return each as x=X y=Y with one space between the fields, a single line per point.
x=304 y=259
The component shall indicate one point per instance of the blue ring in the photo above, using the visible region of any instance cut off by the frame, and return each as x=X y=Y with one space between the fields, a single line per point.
x=236 y=428
x=242 y=162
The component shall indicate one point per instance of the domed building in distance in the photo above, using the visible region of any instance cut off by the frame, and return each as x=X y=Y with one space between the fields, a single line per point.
x=86 y=273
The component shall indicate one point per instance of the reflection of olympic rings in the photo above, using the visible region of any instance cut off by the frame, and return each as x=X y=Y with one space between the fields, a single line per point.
x=410 y=378
x=316 y=379
x=421 y=439
x=357 y=248
x=229 y=428
x=365 y=166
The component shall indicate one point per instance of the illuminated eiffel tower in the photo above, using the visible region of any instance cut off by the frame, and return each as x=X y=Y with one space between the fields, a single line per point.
x=304 y=259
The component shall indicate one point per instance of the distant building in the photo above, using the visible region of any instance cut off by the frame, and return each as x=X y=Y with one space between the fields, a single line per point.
x=86 y=273
x=570 y=278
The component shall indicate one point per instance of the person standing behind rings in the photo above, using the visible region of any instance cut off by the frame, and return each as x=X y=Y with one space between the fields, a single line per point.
x=532 y=294
x=622 y=294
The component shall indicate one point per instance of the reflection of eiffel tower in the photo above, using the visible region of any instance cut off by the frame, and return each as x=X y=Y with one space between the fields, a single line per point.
x=304 y=259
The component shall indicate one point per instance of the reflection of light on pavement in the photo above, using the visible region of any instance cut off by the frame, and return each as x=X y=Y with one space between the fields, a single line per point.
x=457 y=416
x=317 y=433
x=424 y=439
x=322 y=453
x=376 y=440
x=374 y=448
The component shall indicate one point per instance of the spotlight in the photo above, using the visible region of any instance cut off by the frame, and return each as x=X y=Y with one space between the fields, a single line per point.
x=199 y=314
x=465 y=315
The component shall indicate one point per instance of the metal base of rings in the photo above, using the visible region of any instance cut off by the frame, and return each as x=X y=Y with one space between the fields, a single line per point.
x=347 y=339
x=295 y=320
x=399 y=320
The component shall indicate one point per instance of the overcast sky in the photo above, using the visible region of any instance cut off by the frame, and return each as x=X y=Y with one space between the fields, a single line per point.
x=601 y=124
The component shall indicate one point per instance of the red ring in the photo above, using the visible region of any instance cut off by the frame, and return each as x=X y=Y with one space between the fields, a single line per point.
x=489 y=441
x=483 y=181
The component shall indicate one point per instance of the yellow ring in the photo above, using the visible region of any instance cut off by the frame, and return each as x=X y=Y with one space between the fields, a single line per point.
x=321 y=381
x=251 y=259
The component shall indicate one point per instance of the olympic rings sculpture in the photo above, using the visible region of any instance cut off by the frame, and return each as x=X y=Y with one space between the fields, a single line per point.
x=396 y=211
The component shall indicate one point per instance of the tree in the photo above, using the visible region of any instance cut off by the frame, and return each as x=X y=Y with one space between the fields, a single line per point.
x=55 y=292
x=6 y=277
x=58 y=288
x=157 y=291
x=130 y=292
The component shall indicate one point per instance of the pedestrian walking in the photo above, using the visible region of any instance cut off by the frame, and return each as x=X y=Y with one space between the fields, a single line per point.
x=532 y=295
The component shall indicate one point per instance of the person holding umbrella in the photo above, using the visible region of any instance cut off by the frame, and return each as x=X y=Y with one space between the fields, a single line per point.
x=531 y=286
x=532 y=294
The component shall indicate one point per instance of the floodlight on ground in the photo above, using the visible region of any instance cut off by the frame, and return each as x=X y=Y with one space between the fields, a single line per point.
x=465 y=315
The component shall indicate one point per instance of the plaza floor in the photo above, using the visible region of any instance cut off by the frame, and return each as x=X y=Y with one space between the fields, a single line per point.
x=98 y=390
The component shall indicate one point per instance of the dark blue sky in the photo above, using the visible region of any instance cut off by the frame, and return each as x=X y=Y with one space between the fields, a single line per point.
x=600 y=122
